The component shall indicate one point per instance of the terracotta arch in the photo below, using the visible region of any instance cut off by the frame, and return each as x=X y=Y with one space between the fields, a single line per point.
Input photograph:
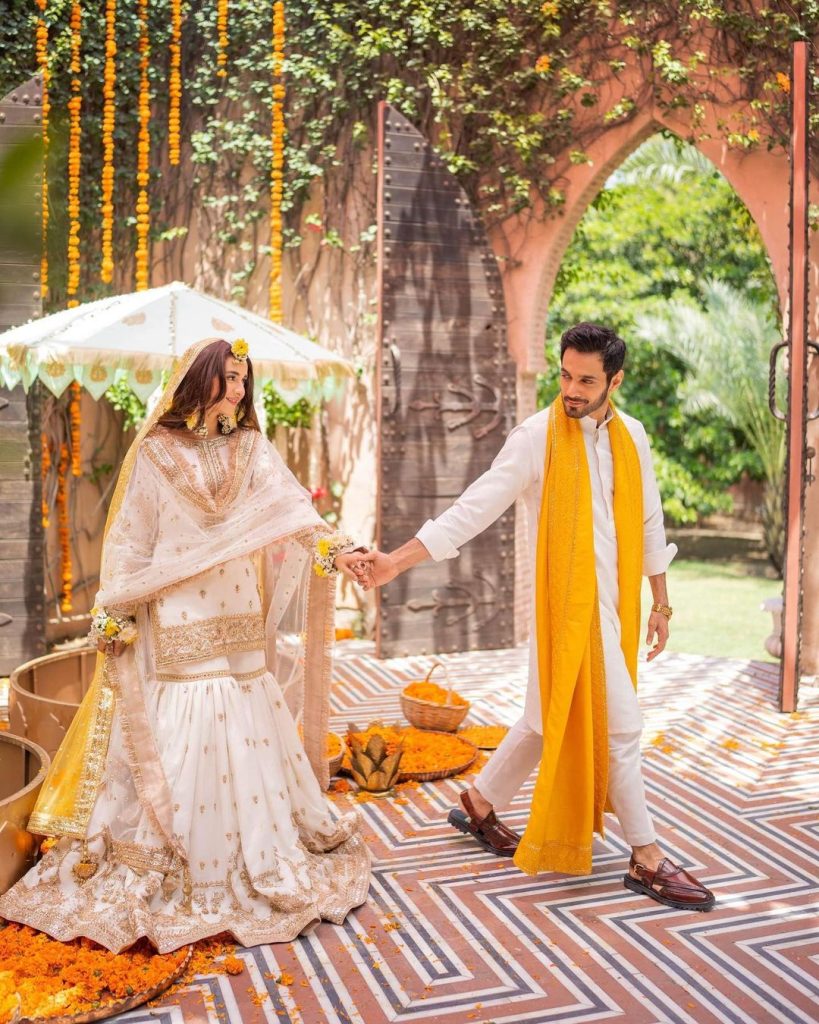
x=533 y=249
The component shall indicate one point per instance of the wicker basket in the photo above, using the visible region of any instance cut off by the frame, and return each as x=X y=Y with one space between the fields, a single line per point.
x=424 y=714
x=444 y=773
x=334 y=763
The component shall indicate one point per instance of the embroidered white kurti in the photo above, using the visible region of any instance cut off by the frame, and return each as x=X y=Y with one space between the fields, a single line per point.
x=267 y=854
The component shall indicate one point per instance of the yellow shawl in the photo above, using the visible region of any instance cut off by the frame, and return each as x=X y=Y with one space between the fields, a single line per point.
x=570 y=793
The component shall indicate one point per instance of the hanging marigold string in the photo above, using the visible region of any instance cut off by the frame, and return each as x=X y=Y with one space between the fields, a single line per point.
x=277 y=165
x=45 y=467
x=222 y=42
x=74 y=136
x=143 y=150
x=42 y=64
x=63 y=532
x=75 y=415
x=109 y=82
x=175 y=83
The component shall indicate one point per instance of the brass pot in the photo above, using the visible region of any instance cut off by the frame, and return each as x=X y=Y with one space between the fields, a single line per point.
x=44 y=695
x=23 y=767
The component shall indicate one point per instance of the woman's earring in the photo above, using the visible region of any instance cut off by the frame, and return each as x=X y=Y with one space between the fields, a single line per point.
x=227 y=424
x=196 y=424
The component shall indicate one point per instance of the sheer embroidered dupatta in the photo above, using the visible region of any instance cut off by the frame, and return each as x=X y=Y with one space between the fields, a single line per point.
x=162 y=530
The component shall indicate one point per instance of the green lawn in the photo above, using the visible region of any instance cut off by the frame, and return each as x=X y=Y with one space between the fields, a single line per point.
x=716 y=609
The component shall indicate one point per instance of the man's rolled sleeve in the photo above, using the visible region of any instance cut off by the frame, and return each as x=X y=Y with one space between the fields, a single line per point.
x=484 y=501
x=435 y=540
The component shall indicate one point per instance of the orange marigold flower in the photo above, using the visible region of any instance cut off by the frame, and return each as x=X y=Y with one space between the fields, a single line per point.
x=434 y=693
x=233 y=965
x=543 y=64
x=783 y=81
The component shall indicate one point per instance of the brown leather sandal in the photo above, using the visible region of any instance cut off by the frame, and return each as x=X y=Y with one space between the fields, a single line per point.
x=488 y=831
x=670 y=885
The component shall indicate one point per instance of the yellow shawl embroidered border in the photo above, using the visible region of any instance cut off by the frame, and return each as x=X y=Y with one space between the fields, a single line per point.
x=570 y=792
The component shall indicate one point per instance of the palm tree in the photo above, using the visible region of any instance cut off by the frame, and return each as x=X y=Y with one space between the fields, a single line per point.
x=662 y=159
x=726 y=345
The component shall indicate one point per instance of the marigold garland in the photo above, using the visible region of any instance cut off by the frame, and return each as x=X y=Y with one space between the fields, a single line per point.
x=42 y=64
x=74 y=155
x=108 y=120
x=75 y=415
x=45 y=467
x=143 y=150
x=175 y=83
x=222 y=38
x=64 y=533
x=277 y=165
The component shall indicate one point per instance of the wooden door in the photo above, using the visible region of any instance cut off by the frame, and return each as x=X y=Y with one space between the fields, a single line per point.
x=446 y=399
x=22 y=613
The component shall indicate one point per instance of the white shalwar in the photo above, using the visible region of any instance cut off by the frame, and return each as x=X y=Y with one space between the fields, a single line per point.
x=517 y=472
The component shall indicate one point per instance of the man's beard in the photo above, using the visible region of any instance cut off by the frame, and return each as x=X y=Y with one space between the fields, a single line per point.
x=579 y=411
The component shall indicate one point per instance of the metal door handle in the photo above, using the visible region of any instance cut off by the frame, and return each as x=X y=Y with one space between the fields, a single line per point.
x=815 y=414
x=395 y=357
x=775 y=411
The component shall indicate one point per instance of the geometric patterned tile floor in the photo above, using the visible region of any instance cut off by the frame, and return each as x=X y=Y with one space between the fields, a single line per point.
x=452 y=935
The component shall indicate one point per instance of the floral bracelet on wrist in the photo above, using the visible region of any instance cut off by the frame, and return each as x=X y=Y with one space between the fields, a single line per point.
x=112 y=627
x=327 y=548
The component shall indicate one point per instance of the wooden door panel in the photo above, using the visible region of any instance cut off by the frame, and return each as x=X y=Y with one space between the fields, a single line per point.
x=446 y=399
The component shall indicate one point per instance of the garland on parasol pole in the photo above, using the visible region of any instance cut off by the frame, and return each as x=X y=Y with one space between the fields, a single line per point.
x=42 y=64
x=108 y=121
x=64 y=533
x=45 y=466
x=143 y=150
x=277 y=165
x=175 y=83
x=75 y=416
x=74 y=156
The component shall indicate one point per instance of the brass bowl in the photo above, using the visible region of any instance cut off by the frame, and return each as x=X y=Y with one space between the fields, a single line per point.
x=23 y=767
x=44 y=695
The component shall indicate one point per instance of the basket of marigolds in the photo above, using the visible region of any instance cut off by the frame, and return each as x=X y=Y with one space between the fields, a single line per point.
x=427 y=705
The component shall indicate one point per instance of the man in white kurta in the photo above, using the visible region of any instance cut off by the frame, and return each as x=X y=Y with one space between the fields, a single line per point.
x=591 y=369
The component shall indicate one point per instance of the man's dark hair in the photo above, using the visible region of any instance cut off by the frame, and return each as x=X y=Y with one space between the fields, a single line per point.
x=588 y=337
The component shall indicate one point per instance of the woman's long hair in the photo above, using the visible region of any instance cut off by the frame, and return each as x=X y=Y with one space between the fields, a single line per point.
x=193 y=394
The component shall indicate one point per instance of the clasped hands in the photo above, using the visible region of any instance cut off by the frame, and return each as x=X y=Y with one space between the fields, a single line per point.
x=369 y=569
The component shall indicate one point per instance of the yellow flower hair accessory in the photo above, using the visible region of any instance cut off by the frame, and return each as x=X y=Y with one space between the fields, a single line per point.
x=239 y=349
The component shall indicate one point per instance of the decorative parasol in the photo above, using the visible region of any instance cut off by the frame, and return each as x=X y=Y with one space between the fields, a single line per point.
x=138 y=335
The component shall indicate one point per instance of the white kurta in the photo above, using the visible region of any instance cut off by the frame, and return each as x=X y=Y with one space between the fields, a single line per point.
x=517 y=472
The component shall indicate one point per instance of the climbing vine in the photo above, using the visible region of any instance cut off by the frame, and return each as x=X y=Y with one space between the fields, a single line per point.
x=510 y=91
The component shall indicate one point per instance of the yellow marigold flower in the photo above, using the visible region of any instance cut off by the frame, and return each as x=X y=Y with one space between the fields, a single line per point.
x=111 y=628
x=783 y=81
x=239 y=348
x=543 y=64
x=324 y=546
x=753 y=135
x=318 y=570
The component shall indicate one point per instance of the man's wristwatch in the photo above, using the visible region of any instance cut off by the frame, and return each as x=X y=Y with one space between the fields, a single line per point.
x=663 y=609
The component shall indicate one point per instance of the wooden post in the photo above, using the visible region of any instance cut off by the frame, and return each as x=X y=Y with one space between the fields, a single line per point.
x=797 y=381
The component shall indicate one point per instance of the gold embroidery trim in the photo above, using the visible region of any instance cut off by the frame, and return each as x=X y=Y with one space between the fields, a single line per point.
x=208 y=638
x=162 y=449
x=96 y=754
x=172 y=677
x=142 y=858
